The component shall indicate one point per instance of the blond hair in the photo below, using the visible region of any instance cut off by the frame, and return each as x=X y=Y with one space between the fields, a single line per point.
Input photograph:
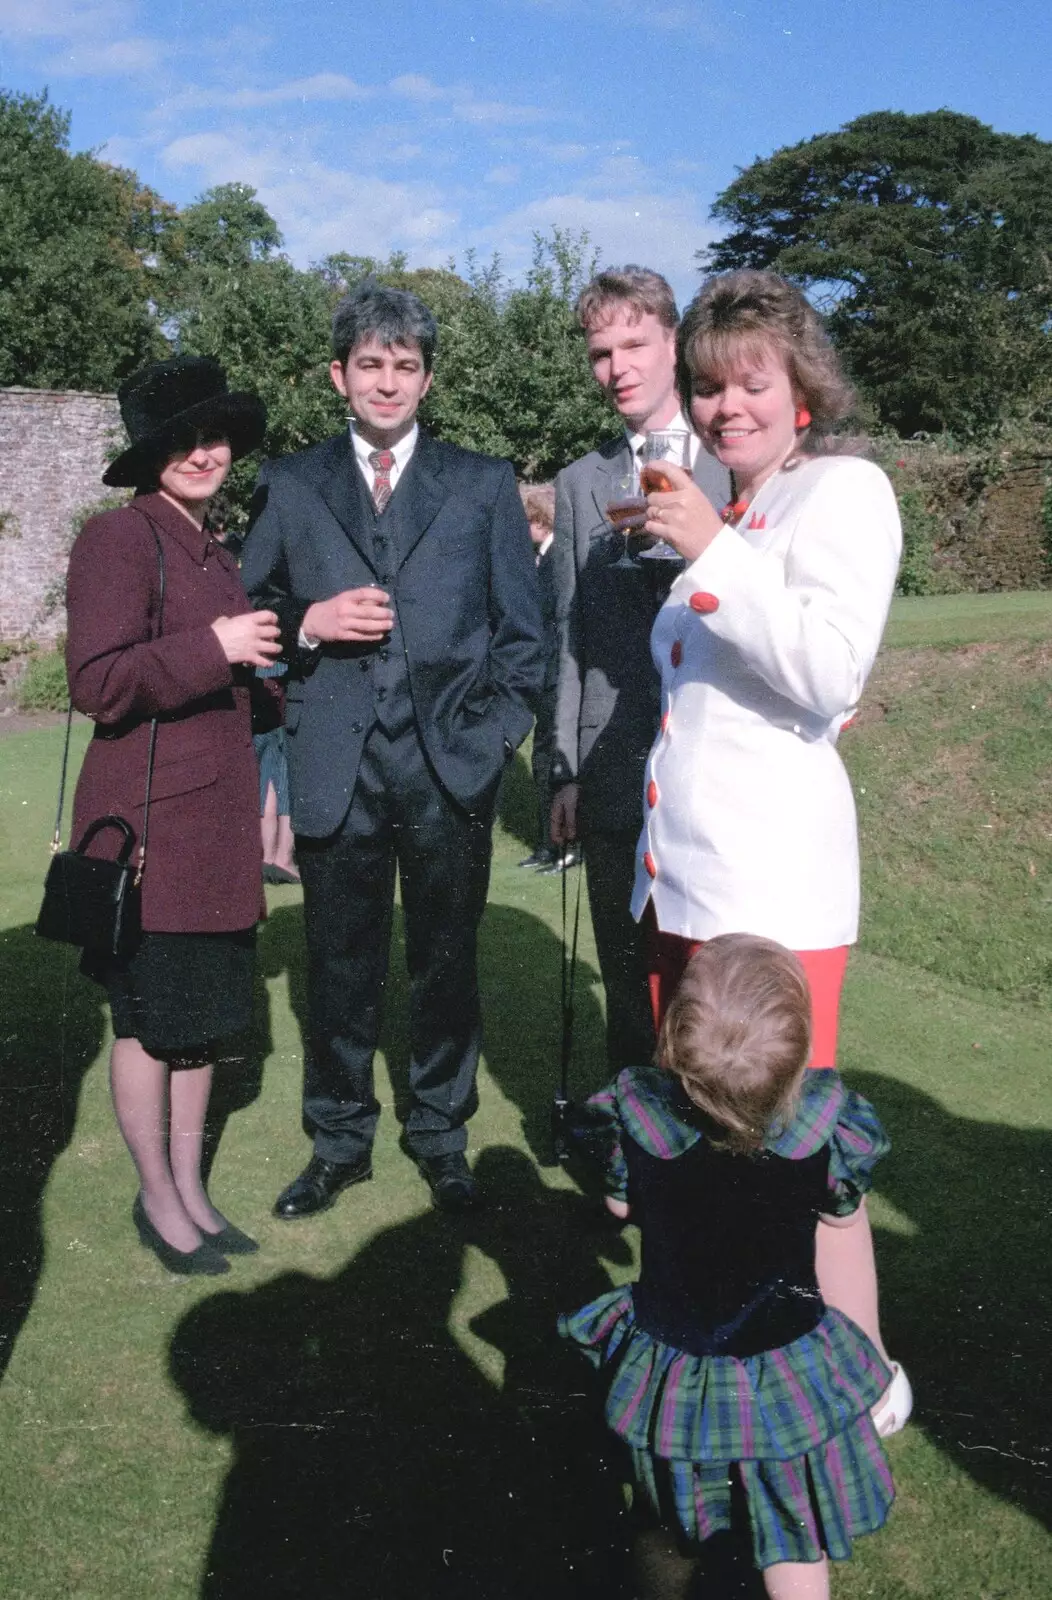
x=641 y=290
x=538 y=502
x=737 y=1034
x=749 y=312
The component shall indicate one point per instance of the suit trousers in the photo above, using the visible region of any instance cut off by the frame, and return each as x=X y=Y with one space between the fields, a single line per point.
x=400 y=819
x=610 y=867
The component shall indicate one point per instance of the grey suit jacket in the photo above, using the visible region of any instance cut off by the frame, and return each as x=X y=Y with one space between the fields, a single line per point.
x=608 y=702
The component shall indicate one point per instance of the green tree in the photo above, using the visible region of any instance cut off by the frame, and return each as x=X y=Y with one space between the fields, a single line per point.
x=513 y=377
x=225 y=290
x=927 y=241
x=76 y=241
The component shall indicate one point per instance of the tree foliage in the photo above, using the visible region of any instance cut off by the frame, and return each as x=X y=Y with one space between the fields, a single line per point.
x=511 y=375
x=76 y=240
x=98 y=275
x=927 y=240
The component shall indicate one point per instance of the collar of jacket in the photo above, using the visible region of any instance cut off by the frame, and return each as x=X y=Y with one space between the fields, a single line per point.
x=420 y=492
x=194 y=540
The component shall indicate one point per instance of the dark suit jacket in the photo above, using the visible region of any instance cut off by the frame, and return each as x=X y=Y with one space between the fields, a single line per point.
x=608 y=701
x=464 y=585
x=203 y=867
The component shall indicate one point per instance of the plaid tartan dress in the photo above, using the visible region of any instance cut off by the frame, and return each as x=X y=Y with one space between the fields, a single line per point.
x=792 y=1423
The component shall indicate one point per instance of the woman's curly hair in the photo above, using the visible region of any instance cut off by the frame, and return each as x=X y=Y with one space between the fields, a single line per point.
x=747 y=313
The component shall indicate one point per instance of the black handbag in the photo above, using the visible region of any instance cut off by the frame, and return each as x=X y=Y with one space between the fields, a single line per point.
x=95 y=903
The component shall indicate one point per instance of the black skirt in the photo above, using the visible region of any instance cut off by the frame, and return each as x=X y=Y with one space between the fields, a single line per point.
x=180 y=992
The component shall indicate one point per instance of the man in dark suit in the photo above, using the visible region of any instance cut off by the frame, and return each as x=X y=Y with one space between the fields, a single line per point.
x=608 y=698
x=403 y=577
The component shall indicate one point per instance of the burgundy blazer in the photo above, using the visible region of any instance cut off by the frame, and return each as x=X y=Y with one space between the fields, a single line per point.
x=203 y=854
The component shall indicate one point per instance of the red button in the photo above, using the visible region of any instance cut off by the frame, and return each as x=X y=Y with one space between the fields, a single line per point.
x=664 y=722
x=702 y=602
x=676 y=653
x=651 y=793
x=650 y=864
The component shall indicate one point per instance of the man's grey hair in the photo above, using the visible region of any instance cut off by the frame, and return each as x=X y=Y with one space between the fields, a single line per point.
x=392 y=316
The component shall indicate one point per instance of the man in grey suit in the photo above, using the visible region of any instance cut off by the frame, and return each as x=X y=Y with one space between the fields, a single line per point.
x=608 y=700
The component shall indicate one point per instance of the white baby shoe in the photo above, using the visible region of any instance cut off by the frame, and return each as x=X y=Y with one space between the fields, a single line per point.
x=892 y=1411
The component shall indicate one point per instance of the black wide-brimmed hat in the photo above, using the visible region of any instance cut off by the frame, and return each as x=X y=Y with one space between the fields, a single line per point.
x=168 y=404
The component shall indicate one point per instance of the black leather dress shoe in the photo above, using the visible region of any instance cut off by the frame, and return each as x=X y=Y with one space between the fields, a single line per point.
x=318 y=1185
x=571 y=857
x=452 y=1186
x=541 y=857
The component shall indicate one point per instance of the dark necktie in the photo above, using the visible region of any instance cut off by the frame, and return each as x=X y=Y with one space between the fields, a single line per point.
x=381 y=462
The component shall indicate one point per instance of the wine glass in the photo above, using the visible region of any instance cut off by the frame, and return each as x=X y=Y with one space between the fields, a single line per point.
x=662 y=444
x=627 y=510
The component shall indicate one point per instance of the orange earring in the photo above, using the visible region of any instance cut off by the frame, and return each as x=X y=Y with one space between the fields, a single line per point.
x=802 y=418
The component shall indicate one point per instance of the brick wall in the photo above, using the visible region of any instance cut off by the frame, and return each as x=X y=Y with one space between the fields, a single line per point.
x=53 y=449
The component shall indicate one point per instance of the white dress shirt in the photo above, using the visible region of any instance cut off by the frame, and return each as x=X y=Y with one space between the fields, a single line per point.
x=402 y=451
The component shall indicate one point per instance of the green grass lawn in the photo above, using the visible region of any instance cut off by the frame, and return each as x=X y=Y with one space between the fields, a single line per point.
x=374 y=1407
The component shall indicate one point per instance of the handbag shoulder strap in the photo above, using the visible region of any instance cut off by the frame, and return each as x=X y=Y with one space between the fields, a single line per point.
x=56 y=838
x=141 y=864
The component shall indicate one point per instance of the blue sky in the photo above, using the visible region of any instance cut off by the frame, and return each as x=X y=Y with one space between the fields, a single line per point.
x=455 y=125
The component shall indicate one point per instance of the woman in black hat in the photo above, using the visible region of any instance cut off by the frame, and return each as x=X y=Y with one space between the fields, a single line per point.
x=181 y=651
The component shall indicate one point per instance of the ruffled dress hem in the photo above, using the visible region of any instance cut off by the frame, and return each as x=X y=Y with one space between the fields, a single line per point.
x=793 y=1424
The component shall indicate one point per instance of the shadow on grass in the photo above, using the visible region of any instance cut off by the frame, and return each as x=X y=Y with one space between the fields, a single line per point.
x=519 y=976
x=517 y=802
x=966 y=1300
x=52 y=1030
x=238 y=1080
x=372 y=1456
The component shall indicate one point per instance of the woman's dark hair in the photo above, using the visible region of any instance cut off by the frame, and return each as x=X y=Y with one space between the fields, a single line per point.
x=737 y=1034
x=747 y=313
x=392 y=316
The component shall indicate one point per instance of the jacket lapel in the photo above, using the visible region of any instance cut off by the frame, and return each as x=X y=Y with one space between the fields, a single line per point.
x=420 y=495
x=616 y=458
x=341 y=488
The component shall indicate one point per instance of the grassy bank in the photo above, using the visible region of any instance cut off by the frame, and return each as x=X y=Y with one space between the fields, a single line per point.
x=373 y=1407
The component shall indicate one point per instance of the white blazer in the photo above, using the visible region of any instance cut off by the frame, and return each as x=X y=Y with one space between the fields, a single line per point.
x=764 y=645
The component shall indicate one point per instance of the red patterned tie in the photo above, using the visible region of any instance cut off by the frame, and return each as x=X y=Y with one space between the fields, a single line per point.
x=381 y=462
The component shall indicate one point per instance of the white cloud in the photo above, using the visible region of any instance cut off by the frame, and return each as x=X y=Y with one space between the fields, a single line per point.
x=321 y=209
x=82 y=38
x=119 y=58
x=655 y=230
x=321 y=86
x=504 y=173
x=413 y=86
x=460 y=102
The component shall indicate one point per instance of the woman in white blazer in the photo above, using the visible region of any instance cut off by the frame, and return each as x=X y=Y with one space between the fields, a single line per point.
x=764 y=646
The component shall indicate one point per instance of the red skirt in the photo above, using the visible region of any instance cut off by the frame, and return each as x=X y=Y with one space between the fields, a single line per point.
x=668 y=954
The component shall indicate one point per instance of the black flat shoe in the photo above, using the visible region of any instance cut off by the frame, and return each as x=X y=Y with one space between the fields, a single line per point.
x=318 y=1186
x=230 y=1241
x=452 y=1185
x=274 y=874
x=205 y=1261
